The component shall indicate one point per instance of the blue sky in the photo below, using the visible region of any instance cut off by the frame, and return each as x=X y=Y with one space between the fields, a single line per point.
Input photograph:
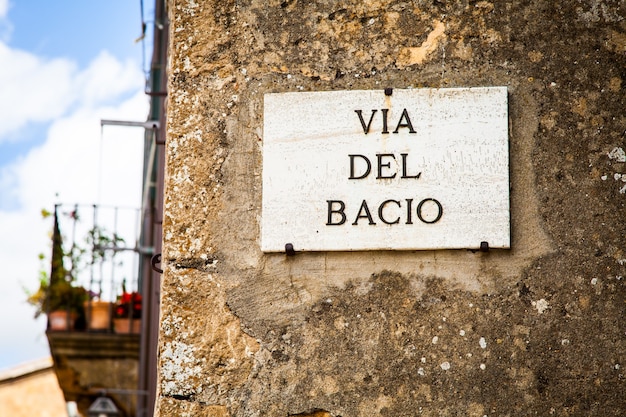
x=64 y=66
x=74 y=30
x=78 y=30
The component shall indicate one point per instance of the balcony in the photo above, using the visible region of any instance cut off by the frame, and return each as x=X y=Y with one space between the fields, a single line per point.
x=90 y=364
x=91 y=296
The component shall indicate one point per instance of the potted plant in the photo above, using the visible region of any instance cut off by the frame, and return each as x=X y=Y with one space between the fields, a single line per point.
x=61 y=301
x=58 y=293
x=98 y=314
x=65 y=311
x=98 y=311
x=57 y=296
x=127 y=314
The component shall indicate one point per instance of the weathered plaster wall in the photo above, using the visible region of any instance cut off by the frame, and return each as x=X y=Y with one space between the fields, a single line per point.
x=535 y=330
x=31 y=390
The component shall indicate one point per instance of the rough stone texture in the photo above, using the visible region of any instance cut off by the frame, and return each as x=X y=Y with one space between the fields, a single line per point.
x=535 y=330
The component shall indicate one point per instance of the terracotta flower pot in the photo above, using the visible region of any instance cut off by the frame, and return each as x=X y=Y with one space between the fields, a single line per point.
x=98 y=315
x=123 y=325
x=61 y=320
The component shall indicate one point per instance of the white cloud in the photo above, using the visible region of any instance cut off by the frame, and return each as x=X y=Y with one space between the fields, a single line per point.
x=4 y=8
x=33 y=90
x=106 y=78
x=22 y=337
x=70 y=163
x=6 y=28
x=67 y=163
x=38 y=90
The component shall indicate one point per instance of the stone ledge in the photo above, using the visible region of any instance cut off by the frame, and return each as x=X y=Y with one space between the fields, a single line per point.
x=94 y=345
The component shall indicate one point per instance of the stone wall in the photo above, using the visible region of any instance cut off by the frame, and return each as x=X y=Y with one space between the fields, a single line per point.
x=534 y=330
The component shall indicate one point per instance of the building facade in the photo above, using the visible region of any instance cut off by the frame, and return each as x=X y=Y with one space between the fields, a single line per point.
x=355 y=327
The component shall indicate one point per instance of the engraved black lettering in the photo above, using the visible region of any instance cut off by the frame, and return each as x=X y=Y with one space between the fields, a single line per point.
x=404 y=169
x=381 y=209
x=353 y=176
x=385 y=112
x=439 y=210
x=407 y=123
x=409 y=209
x=382 y=165
x=339 y=211
x=367 y=215
x=366 y=128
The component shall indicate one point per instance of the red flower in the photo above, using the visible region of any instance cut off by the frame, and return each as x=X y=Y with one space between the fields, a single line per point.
x=128 y=305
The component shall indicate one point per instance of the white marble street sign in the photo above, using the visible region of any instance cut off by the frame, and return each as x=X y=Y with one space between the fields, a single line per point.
x=364 y=170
